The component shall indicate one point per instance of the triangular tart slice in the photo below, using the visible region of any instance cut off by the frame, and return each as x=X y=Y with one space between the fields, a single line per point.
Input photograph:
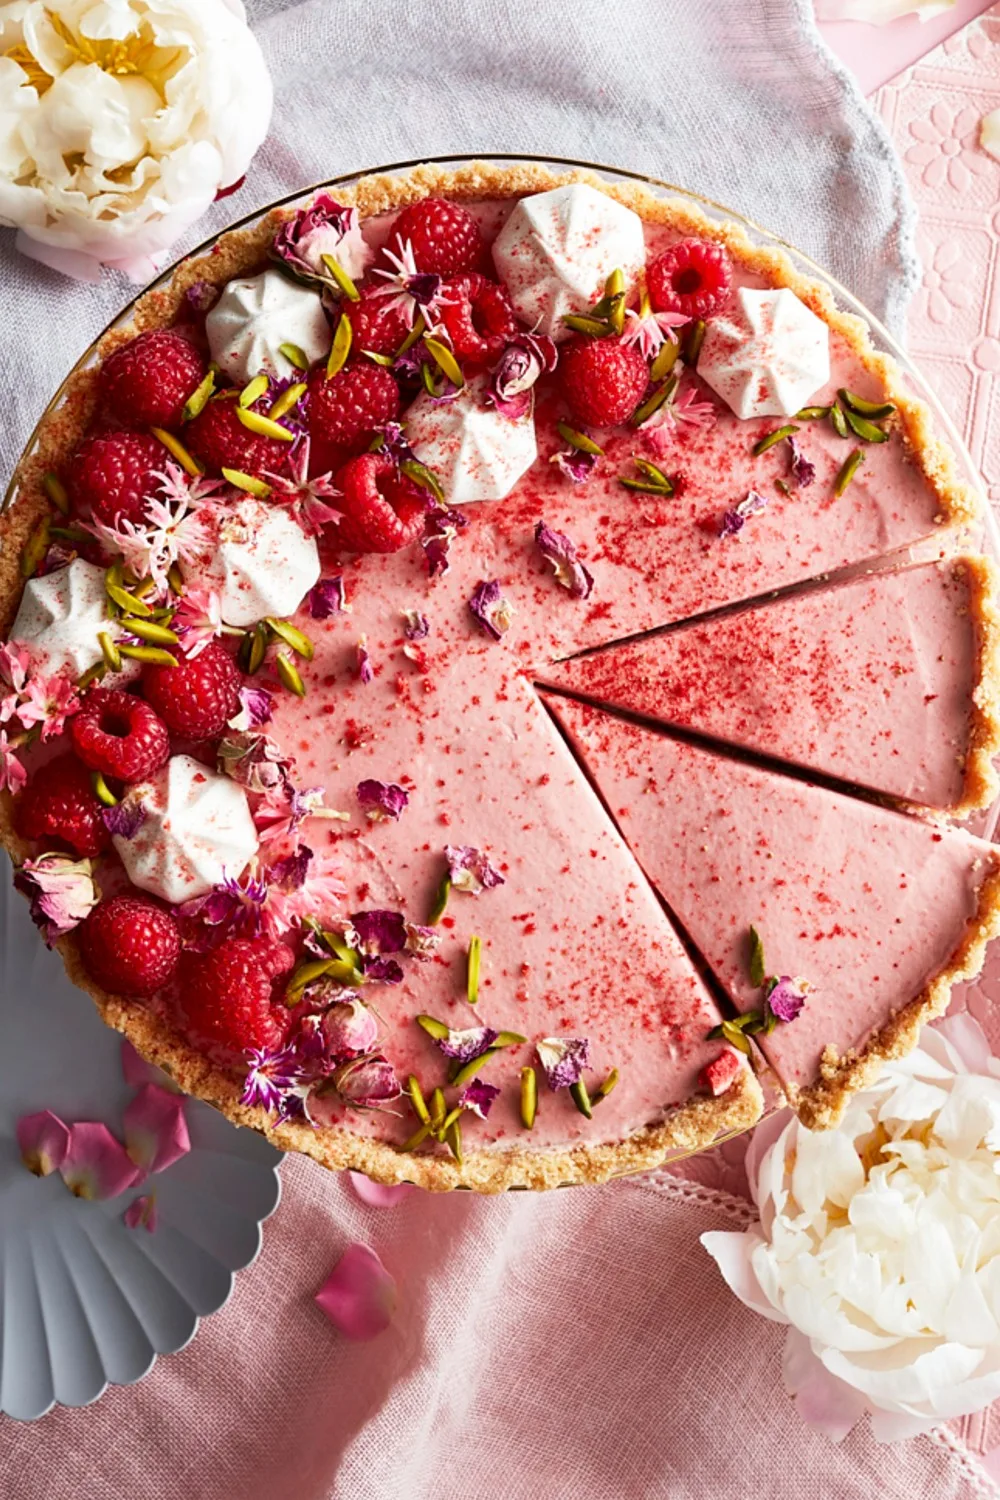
x=887 y=681
x=879 y=911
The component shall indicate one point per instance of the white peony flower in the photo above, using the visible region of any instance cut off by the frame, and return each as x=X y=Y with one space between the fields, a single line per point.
x=878 y=12
x=879 y=1244
x=119 y=122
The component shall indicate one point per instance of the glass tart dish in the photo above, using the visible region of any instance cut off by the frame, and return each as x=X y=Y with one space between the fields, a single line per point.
x=500 y=657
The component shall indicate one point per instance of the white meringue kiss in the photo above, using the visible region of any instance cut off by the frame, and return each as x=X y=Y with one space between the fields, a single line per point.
x=768 y=359
x=59 y=618
x=879 y=1243
x=262 y=563
x=557 y=249
x=256 y=315
x=197 y=829
x=475 y=452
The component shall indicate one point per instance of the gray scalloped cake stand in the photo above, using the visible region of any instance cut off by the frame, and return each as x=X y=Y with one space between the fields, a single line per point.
x=84 y=1301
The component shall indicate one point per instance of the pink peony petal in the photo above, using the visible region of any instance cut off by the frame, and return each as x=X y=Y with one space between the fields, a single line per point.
x=44 y=1142
x=96 y=1165
x=156 y=1133
x=141 y=1213
x=377 y=1194
x=137 y=1071
x=824 y=1403
x=359 y=1296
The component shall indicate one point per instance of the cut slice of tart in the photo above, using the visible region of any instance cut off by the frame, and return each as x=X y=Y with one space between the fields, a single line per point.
x=878 y=912
x=888 y=681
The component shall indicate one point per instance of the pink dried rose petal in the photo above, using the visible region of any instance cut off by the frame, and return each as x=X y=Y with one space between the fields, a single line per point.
x=141 y=1213
x=136 y=1071
x=359 y=1296
x=378 y=1194
x=156 y=1132
x=44 y=1142
x=96 y=1165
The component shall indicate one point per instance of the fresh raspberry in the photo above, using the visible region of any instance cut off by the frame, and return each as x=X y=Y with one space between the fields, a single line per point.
x=113 y=474
x=119 y=735
x=444 y=237
x=376 y=324
x=720 y=1074
x=344 y=412
x=60 y=804
x=145 y=383
x=220 y=440
x=197 y=697
x=603 y=380
x=478 y=316
x=382 y=510
x=693 y=277
x=129 y=946
x=227 y=994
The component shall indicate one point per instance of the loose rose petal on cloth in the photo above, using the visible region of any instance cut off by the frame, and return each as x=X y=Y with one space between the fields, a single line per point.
x=156 y=1132
x=141 y=1213
x=359 y=1296
x=96 y=1165
x=378 y=1194
x=44 y=1142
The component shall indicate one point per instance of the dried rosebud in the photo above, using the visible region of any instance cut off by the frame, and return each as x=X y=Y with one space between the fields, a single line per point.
x=367 y=1082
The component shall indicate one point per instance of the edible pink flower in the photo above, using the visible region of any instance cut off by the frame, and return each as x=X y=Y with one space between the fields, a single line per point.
x=480 y=1097
x=256 y=708
x=256 y=762
x=141 y=1213
x=305 y=497
x=527 y=357
x=273 y=1079
x=560 y=551
x=787 y=997
x=410 y=290
x=491 y=609
x=563 y=1059
x=12 y=774
x=328 y=598
x=48 y=702
x=734 y=520
x=325 y=227
x=285 y=813
x=44 y=1142
x=315 y=891
x=367 y=1082
x=378 y=1194
x=61 y=890
x=651 y=330
x=463 y=1046
x=662 y=426
x=174 y=530
x=421 y=941
x=359 y=1296
x=803 y=469
x=155 y=1128
x=576 y=465
x=96 y=1165
x=381 y=800
x=348 y=1029
x=469 y=869
x=137 y=1072
x=14 y=661
x=198 y=620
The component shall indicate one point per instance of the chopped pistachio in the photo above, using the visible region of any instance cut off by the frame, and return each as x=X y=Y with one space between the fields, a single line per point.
x=664 y=361
x=294 y=355
x=440 y=902
x=69 y=534
x=177 y=450
x=444 y=359
x=96 y=673
x=838 y=421
x=453 y=1136
x=509 y=1039
x=874 y=409
x=580 y=1097
x=385 y=360
x=450 y=1118
x=102 y=791
x=867 y=431
x=247 y=482
x=287 y=400
x=341 y=277
x=431 y=382
x=812 y=413
x=417 y=1099
x=694 y=337
x=291 y=635
x=783 y=486
x=423 y=476
x=437 y=1029
x=153 y=654
x=56 y=491
x=417 y=1138
x=130 y=603
x=529 y=1097
x=253 y=391
x=850 y=467
x=305 y=975
x=253 y=649
x=758 y=964
x=471 y=1068
x=653 y=403
x=437 y=1108
x=110 y=652
x=772 y=439
x=472 y=970
x=340 y=348
x=149 y=630
x=175 y=580
x=35 y=549
x=595 y=328
x=290 y=676
x=604 y=1089
x=264 y=426
x=416 y=332
x=199 y=398
x=578 y=440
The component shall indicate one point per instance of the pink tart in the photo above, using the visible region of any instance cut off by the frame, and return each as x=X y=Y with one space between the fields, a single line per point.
x=881 y=681
x=427 y=447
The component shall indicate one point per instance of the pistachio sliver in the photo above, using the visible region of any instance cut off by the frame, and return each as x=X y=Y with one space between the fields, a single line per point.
x=415 y=333
x=289 y=674
x=529 y=1097
x=453 y=1136
x=438 y=1108
x=102 y=791
x=150 y=630
x=653 y=403
x=444 y=359
x=287 y=400
x=385 y=360
x=416 y=1095
x=35 y=549
x=440 y=902
x=423 y=476
x=578 y=440
x=848 y=470
x=838 y=421
x=247 y=482
x=152 y=654
x=509 y=1039
x=874 y=409
x=595 y=328
x=772 y=439
x=129 y=602
x=175 y=579
x=341 y=277
x=433 y=1027
x=291 y=635
x=646 y=486
x=665 y=361
x=69 y=534
x=199 y=398
x=417 y=1138
x=469 y=1069
x=472 y=969
x=654 y=475
x=694 y=337
x=96 y=673
x=177 y=450
x=265 y=426
x=56 y=491
x=340 y=348
x=253 y=391
x=604 y=1089
x=110 y=652
x=812 y=413
x=865 y=430
x=294 y=355
x=253 y=649
x=580 y=1097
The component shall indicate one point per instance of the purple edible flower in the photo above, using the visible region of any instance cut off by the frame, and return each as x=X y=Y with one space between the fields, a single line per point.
x=256 y=708
x=201 y=296
x=273 y=1076
x=254 y=761
x=417 y=627
x=422 y=942
x=576 y=465
x=325 y=227
x=527 y=357
x=382 y=970
x=803 y=468
x=394 y=444
x=124 y=820
x=378 y=932
x=480 y=1097
x=469 y=869
x=367 y=1082
x=441 y=525
x=291 y=872
x=238 y=906
x=382 y=800
x=561 y=553
x=563 y=1059
x=327 y=598
x=734 y=520
x=787 y=997
x=491 y=609
x=61 y=891
x=366 y=672
x=467 y=1044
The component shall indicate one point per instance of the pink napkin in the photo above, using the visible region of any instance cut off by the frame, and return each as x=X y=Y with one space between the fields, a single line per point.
x=571 y=1345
